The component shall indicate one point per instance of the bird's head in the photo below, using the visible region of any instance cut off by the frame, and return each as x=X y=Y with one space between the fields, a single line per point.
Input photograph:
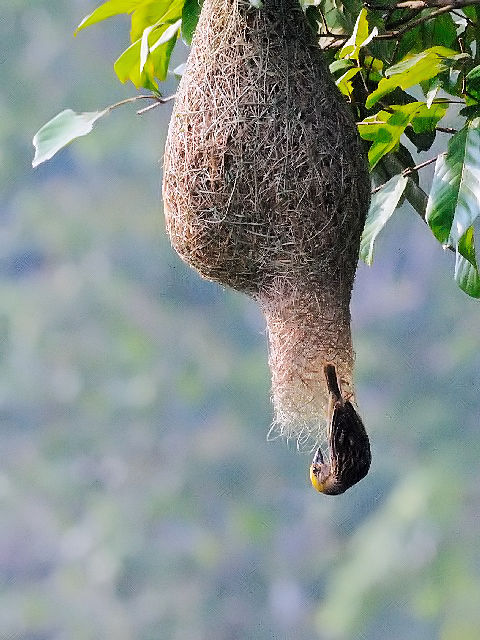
x=322 y=478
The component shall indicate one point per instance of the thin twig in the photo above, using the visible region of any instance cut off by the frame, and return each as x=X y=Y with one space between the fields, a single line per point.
x=408 y=171
x=393 y=35
x=338 y=36
x=158 y=100
x=421 y=4
x=370 y=67
x=403 y=20
x=324 y=21
x=464 y=17
x=446 y=129
x=377 y=189
x=444 y=6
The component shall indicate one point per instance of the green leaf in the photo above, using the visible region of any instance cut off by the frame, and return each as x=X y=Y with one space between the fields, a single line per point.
x=344 y=82
x=454 y=199
x=373 y=68
x=405 y=157
x=144 y=71
x=417 y=64
x=467 y=276
x=170 y=32
x=466 y=268
x=422 y=141
x=153 y=13
x=442 y=198
x=190 y=15
x=382 y=206
x=385 y=129
x=60 y=131
x=155 y=27
x=413 y=70
x=470 y=112
x=472 y=12
x=432 y=92
x=128 y=65
x=426 y=118
x=160 y=54
x=144 y=47
x=154 y=30
x=466 y=246
x=107 y=10
x=359 y=38
x=439 y=31
x=334 y=17
x=473 y=83
x=340 y=65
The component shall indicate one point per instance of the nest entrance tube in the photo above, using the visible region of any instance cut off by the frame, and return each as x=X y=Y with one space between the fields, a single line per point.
x=306 y=328
x=266 y=189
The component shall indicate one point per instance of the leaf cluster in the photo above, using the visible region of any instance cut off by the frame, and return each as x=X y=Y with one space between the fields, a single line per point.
x=404 y=66
x=155 y=28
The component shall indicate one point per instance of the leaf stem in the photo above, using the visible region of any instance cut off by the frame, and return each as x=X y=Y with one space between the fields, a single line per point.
x=158 y=100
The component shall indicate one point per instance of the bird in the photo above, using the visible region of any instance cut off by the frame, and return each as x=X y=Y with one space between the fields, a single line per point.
x=349 y=446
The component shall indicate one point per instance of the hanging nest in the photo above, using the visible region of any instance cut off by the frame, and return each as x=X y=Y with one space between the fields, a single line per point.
x=266 y=189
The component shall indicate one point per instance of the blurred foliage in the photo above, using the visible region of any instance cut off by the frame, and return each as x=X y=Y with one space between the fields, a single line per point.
x=139 y=498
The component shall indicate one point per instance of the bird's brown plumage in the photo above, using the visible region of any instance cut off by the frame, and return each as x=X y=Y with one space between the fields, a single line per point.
x=349 y=446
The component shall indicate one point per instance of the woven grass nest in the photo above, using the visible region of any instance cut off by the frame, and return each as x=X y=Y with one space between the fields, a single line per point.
x=266 y=189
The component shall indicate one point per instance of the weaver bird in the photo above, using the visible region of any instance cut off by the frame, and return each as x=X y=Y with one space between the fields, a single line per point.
x=349 y=448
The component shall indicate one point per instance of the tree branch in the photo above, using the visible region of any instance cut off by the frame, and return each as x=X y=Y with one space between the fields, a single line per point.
x=422 y=4
x=398 y=33
x=457 y=4
x=439 y=6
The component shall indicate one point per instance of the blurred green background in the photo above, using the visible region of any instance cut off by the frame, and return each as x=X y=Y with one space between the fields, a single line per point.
x=139 y=498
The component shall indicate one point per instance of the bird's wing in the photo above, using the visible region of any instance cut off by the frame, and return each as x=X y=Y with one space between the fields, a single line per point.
x=350 y=454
